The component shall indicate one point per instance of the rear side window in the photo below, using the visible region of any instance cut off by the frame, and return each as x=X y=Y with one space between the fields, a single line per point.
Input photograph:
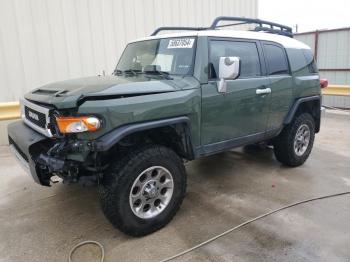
x=246 y=51
x=310 y=61
x=276 y=60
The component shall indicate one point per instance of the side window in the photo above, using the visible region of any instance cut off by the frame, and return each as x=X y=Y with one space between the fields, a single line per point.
x=310 y=61
x=246 y=51
x=276 y=60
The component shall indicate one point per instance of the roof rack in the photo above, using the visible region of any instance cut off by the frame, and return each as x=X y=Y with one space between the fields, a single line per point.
x=261 y=26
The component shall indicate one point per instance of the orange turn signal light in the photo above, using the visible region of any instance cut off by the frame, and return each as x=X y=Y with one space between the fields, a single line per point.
x=77 y=124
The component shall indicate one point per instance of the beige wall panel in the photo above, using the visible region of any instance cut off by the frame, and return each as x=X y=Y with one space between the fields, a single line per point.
x=45 y=41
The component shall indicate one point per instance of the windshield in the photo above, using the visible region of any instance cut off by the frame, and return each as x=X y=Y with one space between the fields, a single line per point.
x=172 y=56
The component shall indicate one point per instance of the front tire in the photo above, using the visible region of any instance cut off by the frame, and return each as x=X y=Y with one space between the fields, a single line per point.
x=293 y=146
x=142 y=192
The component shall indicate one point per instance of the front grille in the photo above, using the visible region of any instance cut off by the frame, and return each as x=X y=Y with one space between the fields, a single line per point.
x=35 y=117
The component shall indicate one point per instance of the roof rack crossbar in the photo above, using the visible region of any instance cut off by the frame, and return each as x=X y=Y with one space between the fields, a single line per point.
x=233 y=24
x=262 y=25
x=248 y=20
x=273 y=27
x=272 y=31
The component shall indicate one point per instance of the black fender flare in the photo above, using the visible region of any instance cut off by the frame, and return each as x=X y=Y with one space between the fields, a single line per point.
x=294 y=108
x=107 y=141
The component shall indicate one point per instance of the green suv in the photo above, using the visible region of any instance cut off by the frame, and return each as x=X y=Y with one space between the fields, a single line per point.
x=172 y=98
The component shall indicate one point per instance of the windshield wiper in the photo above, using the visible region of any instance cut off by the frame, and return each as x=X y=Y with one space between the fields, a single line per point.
x=118 y=72
x=132 y=71
x=161 y=73
x=127 y=71
x=135 y=72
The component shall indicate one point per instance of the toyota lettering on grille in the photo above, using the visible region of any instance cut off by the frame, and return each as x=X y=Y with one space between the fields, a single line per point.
x=33 y=115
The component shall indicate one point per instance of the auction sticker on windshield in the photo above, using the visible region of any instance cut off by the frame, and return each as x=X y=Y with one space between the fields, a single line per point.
x=181 y=43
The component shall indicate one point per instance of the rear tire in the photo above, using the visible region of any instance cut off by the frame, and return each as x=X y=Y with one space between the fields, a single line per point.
x=142 y=192
x=293 y=146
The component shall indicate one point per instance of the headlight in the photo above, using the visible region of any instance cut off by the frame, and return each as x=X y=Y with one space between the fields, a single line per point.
x=77 y=124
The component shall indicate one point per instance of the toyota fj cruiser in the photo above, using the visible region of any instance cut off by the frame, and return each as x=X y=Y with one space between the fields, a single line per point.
x=172 y=97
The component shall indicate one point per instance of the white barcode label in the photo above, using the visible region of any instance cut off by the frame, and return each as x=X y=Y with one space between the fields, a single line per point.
x=181 y=43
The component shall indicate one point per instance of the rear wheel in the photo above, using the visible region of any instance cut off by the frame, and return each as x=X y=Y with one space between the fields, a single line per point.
x=143 y=191
x=293 y=146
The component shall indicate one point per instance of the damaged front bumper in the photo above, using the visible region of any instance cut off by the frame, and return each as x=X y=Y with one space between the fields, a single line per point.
x=43 y=157
x=22 y=139
x=32 y=151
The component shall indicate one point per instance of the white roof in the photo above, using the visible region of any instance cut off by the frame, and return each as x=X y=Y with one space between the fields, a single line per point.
x=285 y=41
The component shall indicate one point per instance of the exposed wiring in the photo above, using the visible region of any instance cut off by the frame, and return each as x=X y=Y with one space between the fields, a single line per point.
x=86 y=243
x=215 y=237
x=248 y=222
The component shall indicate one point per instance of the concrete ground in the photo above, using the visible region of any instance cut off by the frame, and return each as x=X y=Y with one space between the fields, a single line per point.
x=43 y=224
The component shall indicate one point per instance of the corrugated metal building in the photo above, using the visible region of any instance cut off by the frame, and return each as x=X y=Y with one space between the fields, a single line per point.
x=44 y=41
x=332 y=52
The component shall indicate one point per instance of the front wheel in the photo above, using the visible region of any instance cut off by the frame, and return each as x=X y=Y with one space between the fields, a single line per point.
x=293 y=146
x=143 y=191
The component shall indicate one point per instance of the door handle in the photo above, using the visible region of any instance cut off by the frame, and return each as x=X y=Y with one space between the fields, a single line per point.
x=263 y=91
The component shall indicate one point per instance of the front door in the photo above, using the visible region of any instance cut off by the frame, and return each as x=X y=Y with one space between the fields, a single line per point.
x=241 y=111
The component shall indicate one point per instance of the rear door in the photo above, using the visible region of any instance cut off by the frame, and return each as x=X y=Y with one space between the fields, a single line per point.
x=280 y=83
x=240 y=111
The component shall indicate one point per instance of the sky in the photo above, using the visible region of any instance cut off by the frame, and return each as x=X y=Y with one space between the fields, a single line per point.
x=309 y=15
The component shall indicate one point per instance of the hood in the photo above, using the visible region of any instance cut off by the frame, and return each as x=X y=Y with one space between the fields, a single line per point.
x=69 y=93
